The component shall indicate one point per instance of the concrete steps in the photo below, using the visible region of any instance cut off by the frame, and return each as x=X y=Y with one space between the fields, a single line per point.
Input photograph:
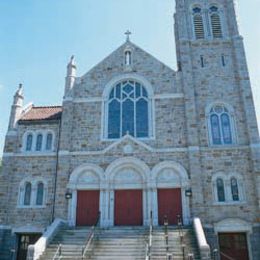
x=127 y=243
x=72 y=241
x=124 y=243
x=159 y=250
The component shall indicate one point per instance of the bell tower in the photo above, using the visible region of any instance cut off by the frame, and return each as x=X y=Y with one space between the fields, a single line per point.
x=213 y=69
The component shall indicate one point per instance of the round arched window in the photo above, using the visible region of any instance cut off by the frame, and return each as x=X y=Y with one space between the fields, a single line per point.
x=128 y=110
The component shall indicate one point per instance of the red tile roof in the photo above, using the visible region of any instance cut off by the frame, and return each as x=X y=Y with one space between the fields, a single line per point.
x=42 y=113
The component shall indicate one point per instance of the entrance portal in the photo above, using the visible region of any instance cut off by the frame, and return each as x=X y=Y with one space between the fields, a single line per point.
x=233 y=246
x=128 y=207
x=170 y=205
x=87 y=207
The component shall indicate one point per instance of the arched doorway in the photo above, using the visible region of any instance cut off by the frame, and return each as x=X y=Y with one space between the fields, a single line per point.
x=170 y=180
x=127 y=179
x=87 y=196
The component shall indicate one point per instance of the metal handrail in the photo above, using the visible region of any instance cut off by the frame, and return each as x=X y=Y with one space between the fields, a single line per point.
x=227 y=256
x=149 y=244
x=58 y=251
x=90 y=237
x=166 y=234
x=181 y=235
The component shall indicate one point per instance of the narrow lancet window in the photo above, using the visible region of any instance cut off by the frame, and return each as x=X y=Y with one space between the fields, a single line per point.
x=27 y=194
x=128 y=58
x=29 y=141
x=40 y=191
x=220 y=190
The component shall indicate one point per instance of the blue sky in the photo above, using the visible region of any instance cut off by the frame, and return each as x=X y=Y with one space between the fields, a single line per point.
x=39 y=36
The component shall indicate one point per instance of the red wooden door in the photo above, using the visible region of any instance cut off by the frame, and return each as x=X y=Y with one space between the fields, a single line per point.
x=87 y=207
x=169 y=204
x=128 y=207
x=233 y=246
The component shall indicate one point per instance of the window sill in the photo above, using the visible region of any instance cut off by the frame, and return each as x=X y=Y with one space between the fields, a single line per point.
x=31 y=207
x=229 y=203
x=105 y=139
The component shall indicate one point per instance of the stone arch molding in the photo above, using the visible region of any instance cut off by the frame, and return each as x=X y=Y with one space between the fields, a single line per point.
x=86 y=176
x=232 y=225
x=169 y=173
x=128 y=76
x=127 y=171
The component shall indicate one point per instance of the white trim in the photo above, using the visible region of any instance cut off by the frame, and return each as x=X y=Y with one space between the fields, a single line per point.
x=154 y=150
x=100 y=99
x=169 y=96
x=232 y=225
x=27 y=229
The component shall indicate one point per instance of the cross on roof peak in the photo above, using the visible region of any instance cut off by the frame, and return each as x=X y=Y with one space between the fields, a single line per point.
x=128 y=33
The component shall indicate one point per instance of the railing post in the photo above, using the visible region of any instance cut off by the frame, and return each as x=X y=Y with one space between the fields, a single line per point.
x=183 y=250
x=169 y=257
x=166 y=232
x=215 y=254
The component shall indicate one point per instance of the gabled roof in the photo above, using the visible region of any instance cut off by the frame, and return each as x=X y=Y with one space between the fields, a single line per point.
x=126 y=45
x=45 y=113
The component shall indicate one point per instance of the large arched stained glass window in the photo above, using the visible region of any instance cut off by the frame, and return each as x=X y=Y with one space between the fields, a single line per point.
x=220 y=125
x=128 y=110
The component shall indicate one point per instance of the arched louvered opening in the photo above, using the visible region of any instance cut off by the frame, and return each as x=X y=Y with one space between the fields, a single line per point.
x=198 y=23
x=215 y=22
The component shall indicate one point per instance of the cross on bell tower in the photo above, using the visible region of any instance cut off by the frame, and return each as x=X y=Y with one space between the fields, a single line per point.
x=128 y=33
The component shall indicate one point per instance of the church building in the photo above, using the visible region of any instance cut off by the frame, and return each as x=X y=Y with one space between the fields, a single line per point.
x=134 y=137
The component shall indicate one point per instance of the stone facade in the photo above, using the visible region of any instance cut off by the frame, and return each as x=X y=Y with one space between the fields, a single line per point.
x=178 y=152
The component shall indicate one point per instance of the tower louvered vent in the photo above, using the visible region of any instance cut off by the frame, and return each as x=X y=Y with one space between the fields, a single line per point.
x=198 y=23
x=215 y=23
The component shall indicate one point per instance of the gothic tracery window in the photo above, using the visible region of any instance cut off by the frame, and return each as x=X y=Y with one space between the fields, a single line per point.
x=220 y=124
x=128 y=110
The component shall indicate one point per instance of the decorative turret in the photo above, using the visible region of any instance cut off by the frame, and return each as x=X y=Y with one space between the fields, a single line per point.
x=17 y=107
x=71 y=75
